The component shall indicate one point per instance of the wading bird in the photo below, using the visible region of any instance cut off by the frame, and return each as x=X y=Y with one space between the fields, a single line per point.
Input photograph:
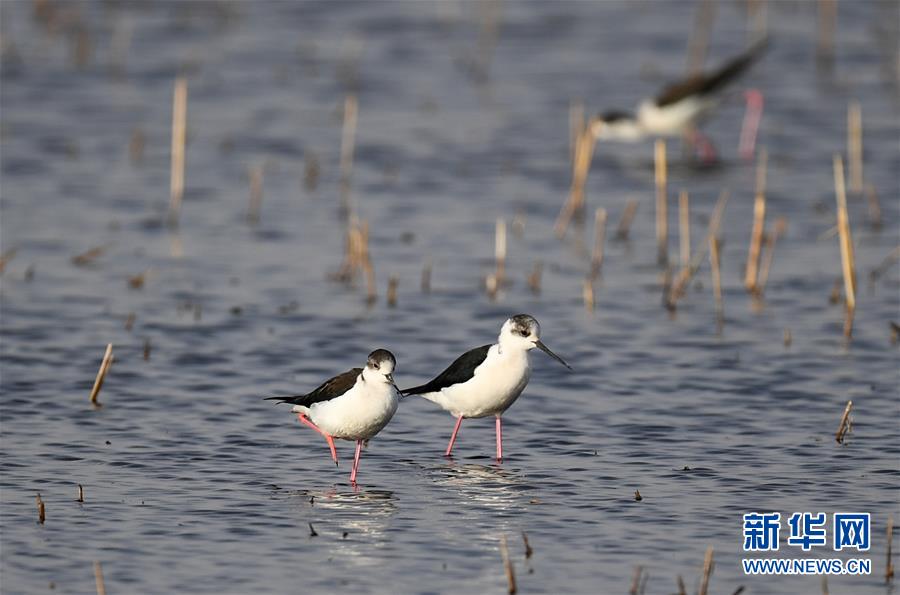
x=682 y=106
x=355 y=405
x=487 y=380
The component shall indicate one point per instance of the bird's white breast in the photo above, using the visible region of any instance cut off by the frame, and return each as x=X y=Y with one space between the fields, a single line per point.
x=672 y=119
x=497 y=383
x=358 y=414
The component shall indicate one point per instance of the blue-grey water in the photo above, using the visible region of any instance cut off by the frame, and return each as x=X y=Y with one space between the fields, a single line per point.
x=193 y=484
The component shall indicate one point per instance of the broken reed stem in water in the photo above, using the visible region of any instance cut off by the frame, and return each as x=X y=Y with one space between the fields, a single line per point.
x=680 y=582
x=6 y=257
x=179 y=133
x=636 y=580
x=528 y=550
x=86 y=258
x=679 y=286
x=507 y=566
x=771 y=239
x=101 y=374
x=576 y=125
x=885 y=265
x=41 y=509
x=759 y=222
x=80 y=493
x=500 y=250
x=426 y=277
x=348 y=142
x=889 y=565
x=707 y=571
x=98 y=578
x=855 y=146
x=627 y=217
x=874 y=207
x=256 y=194
x=717 y=279
x=825 y=37
x=366 y=260
x=534 y=278
x=846 y=422
x=491 y=286
x=662 y=215
x=573 y=207
x=587 y=293
x=392 y=292
x=684 y=227
x=599 y=241
x=848 y=265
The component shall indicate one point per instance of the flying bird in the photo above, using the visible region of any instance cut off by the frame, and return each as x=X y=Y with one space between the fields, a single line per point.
x=682 y=106
x=355 y=405
x=488 y=379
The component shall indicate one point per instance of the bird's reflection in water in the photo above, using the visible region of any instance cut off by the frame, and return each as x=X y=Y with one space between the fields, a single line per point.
x=351 y=522
x=484 y=486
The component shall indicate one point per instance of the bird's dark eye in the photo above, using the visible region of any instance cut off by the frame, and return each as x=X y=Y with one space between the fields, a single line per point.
x=523 y=333
x=374 y=365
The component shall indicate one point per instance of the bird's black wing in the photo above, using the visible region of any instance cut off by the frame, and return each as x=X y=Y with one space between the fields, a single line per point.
x=328 y=390
x=704 y=84
x=459 y=371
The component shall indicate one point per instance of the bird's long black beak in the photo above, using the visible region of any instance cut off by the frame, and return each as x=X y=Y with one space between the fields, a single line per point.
x=540 y=345
x=390 y=378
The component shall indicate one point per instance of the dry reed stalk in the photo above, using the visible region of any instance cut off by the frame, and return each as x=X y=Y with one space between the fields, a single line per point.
x=528 y=550
x=392 y=292
x=491 y=286
x=311 y=171
x=684 y=227
x=256 y=194
x=507 y=566
x=179 y=134
x=587 y=293
x=825 y=585
x=759 y=223
x=426 y=277
x=637 y=496
x=636 y=580
x=500 y=250
x=680 y=582
x=662 y=214
x=707 y=571
x=885 y=265
x=855 y=146
x=848 y=265
x=6 y=257
x=599 y=241
x=576 y=125
x=627 y=217
x=129 y=321
x=86 y=258
x=146 y=349
x=80 y=493
x=574 y=206
x=874 y=207
x=844 y=427
x=717 y=279
x=679 y=287
x=137 y=281
x=889 y=565
x=42 y=512
x=136 y=146
x=534 y=278
x=98 y=578
x=366 y=260
x=788 y=337
x=827 y=22
x=348 y=143
x=771 y=239
x=699 y=42
x=101 y=374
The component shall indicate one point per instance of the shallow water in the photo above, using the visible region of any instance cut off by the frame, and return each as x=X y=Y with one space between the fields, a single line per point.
x=194 y=484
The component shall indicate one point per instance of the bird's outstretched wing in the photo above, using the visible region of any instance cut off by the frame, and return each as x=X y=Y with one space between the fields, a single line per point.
x=704 y=84
x=461 y=370
x=328 y=390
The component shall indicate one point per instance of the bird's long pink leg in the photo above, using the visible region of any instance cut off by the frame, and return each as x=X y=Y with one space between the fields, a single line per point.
x=355 y=468
x=328 y=438
x=499 y=439
x=703 y=145
x=750 y=126
x=453 y=437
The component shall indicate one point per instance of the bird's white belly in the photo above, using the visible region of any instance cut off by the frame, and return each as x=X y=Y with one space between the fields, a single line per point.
x=495 y=386
x=673 y=119
x=357 y=415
